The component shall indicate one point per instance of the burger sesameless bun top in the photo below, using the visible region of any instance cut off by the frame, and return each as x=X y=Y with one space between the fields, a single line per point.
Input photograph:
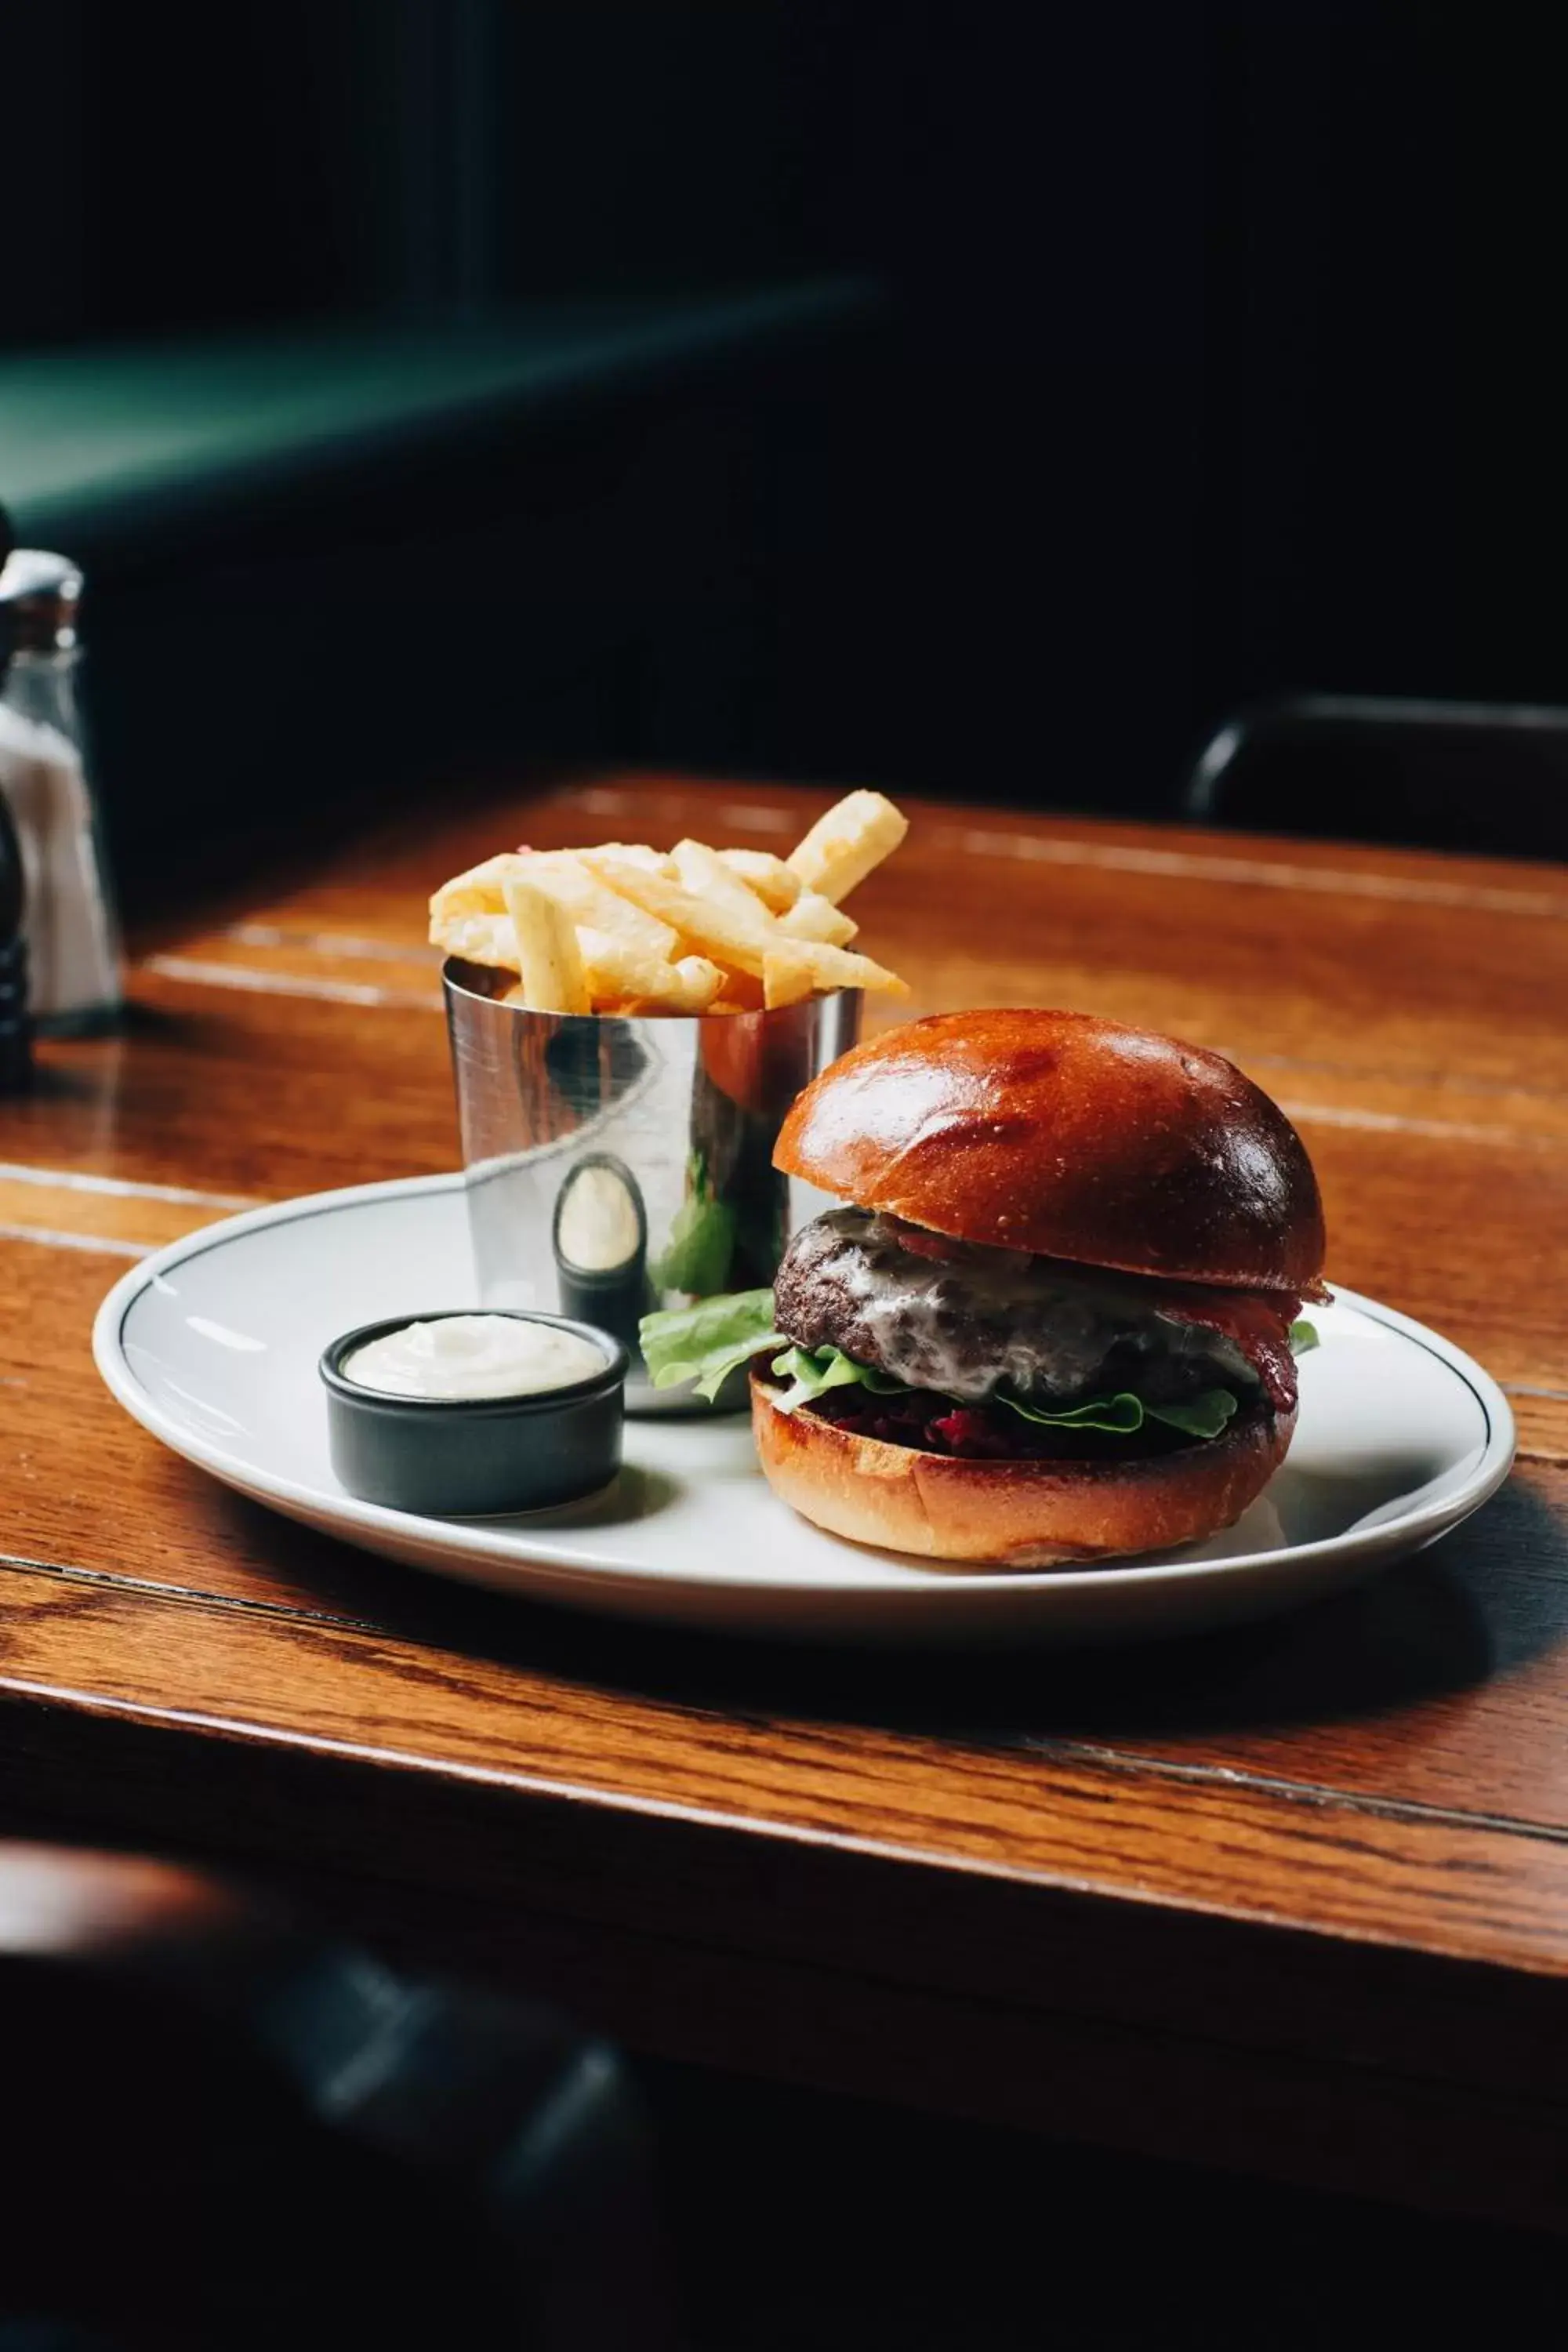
x=1070 y=1138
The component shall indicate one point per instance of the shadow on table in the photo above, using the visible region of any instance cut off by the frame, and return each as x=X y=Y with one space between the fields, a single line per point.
x=1484 y=1602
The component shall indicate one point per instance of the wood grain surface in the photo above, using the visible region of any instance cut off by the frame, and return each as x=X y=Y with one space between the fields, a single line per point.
x=1295 y=1897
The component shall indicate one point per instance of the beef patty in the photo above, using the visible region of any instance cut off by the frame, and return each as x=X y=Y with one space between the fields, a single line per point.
x=963 y=1321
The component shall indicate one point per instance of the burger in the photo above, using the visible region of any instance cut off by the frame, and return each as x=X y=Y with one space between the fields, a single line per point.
x=1056 y=1314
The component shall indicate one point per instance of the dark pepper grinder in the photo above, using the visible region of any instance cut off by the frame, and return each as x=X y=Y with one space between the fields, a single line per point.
x=16 y=1030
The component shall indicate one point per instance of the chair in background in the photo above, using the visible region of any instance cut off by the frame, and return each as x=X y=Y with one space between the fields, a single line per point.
x=1442 y=775
x=223 y=2130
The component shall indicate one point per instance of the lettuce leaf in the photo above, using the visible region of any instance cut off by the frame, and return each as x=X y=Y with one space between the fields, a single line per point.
x=706 y=1343
x=1203 y=1415
x=1121 y=1414
x=810 y=1375
x=1302 y=1336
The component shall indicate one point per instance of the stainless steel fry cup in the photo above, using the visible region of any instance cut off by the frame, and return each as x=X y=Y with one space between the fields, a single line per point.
x=619 y=1164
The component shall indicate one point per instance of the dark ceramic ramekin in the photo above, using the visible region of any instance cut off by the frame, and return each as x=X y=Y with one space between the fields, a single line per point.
x=462 y=1457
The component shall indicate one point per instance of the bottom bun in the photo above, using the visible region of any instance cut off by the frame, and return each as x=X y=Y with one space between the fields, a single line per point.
x=1013 y=1513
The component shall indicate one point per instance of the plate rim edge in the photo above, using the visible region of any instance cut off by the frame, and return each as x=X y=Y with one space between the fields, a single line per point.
x=1421 y=1526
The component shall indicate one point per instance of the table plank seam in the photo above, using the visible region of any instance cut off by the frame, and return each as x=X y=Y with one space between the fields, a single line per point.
x=341 y=943
x=1446 y=1079
x=55 y=1237
x=52 y=1237
x=1396 y=1122
x=1320 y=1794
x=76 y=1180
x=552 y=1789
x=192 y=972
x=1131 y=2027
x=200 y=1595
x=355 y=945
x=746 y=816
x=995 y=833
x=1127 y=1763
x=1270 y=874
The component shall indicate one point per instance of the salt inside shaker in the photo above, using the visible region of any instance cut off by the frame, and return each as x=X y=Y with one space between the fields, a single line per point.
x=72 y=946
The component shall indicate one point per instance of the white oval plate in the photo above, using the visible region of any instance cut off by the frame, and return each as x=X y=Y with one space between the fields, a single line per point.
x=212 y=1345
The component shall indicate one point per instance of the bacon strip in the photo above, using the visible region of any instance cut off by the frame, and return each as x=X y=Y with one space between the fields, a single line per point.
x=1258 y=1322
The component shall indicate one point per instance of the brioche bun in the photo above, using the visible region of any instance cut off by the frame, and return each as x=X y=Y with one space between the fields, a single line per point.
x=1012 y=1514
x=1070 y=1138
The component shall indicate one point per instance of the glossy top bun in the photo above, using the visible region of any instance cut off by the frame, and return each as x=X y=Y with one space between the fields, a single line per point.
x=1068 y=1137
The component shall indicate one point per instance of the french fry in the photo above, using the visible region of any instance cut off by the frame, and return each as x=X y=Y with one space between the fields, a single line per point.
x=477 y=892
x=813 y=917
x=701 y=982
x=690 y=986
x=549 y=962
x=711 y=931
x=618 y=975
x=627 y=928
x=843 y=846
x=478 y=938
x=703 y=872
x=636 y=853
x=800 y=968
x=562 y=876
x=786 y=980
x=775 y=883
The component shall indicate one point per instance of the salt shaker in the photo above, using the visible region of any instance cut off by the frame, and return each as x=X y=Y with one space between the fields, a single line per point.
x=72 y=946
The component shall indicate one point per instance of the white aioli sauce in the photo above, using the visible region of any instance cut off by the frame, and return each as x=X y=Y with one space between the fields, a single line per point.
x=597 y=1228
x=474 y=1356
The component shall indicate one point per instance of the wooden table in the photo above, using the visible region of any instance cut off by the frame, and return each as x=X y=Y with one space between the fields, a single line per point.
x=1294 y=1898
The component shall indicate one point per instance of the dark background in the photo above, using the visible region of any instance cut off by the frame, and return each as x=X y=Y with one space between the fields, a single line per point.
x=1213 y=356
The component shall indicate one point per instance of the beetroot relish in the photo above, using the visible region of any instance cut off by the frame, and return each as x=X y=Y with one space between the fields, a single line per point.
x=982 y=1432
x=970 y=1433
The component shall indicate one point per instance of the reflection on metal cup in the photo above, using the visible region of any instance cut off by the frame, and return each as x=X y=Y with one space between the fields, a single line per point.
x=599 y=1243
x=678 y=1116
